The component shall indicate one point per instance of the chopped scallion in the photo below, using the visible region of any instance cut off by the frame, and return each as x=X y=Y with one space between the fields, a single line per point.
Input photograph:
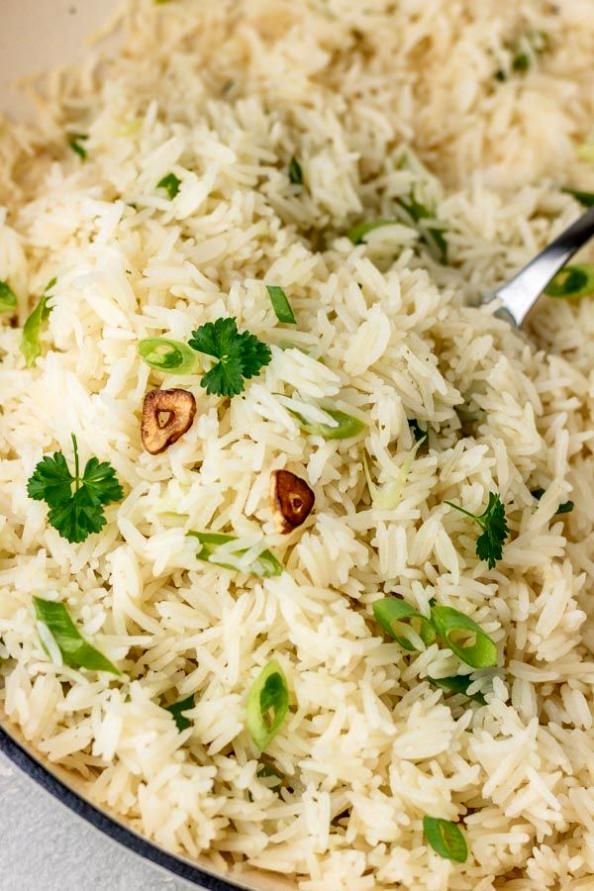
x=576 y=280
x=171 y=184
x=446 y=839
x=265 y=564
x=280 y=304
x=168 y=355
x=359 y=232
x=8 y=300
x=404 y=623
x=346 y=427
x=75 y=650
x=465 y=638
x=267 y=705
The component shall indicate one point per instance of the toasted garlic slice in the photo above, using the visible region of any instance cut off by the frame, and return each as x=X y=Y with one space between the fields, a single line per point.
x=166 y=415
x=292 y=500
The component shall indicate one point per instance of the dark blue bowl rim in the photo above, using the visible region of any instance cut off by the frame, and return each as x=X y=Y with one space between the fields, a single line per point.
x=34 y=769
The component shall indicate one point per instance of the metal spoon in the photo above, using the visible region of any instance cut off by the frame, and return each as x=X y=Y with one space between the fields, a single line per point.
x=519 y=295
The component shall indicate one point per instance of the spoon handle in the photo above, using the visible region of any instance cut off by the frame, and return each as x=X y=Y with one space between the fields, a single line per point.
x=520 y=294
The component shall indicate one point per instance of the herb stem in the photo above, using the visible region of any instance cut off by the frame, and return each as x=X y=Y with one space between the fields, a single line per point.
x=76 y=463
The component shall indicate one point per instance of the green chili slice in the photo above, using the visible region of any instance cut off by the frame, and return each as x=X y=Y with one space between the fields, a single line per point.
x=457 y=684
x=168 y=355
x=465 y=638
x=75 y=650
x=347 y=426
x=171 y=184
x=177 y=709
x=572 y=281
x=265 y=565
x=8 y=300
x=267 y=705
x=446 y=839
x=280 y=304
x=401 y=621
x=30 y=340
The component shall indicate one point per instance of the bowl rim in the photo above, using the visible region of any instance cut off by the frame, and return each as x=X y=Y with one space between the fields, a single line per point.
x=28 y=764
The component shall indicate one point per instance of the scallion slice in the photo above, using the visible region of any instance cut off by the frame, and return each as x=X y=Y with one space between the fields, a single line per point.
x=171 y=184
x=401 y=621
x=8 y=300
x=177 y=709
x=168 y=355
x=267 y=705
x=265 y=565
x=572 y=281
x=280 y=304
x=359 y=232
x=465 y=638
x=346 y=427
x=75 y=650
x=446 y=839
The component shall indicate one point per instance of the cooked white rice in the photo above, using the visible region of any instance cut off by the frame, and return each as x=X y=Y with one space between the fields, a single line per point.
x=223 y=94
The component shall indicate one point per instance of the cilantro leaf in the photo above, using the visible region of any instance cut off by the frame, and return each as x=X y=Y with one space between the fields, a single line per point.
x=241 y=356
x=489 y=544
x=75 y=514
x=177 y=710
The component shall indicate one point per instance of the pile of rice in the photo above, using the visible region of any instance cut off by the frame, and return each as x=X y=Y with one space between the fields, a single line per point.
x=375 y=99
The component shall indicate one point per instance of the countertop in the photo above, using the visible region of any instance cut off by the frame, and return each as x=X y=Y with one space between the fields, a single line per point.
x=44 y=847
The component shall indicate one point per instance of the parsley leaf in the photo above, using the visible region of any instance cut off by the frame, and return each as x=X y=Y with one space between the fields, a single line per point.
x=489 y=545
x=74 y=514
x=241 y=355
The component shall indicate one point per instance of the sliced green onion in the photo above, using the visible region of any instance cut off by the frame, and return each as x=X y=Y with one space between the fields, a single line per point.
x=178 y=709
x=267 y=705
x=280 y=304
x=572 y=281
x=401 y=621
x=265 y=565
x=347 y=426
x=565 y=508
x=75 y=650
x=171 y=184
x=295 y=172
x=30 y=343
x=8 y=300
x=75 y=143
x=358 y=233
x=586 y=199
x=465 y=638
x=446 y=839
x=457 y=684
x=168 y=355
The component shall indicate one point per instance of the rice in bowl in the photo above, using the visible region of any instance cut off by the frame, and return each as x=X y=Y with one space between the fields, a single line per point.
x=378 y=106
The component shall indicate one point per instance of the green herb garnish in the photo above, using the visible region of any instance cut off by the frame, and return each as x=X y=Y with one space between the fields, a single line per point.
x=8 y=299
x=565 y=508
x=75 y=514
x=404 y=624
x=359 y=232
x=433 y=236
x=75 y=143
x=346 y=427
x=417 y=431
x=465 y=638
x=178 y=709
x=170 y=183
x=265 y=565
x=240 y=355
x=267 y=705
x=168 y=355
x=586 y=199
x=457 y=684
x=30 y=344
x=75 y=650
x=572 y=281
x=446 y=839
x=489 y=545
x=280 y=304
x=295 y=172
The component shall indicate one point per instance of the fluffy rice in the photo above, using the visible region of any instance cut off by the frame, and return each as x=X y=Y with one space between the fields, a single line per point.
x=223 y=94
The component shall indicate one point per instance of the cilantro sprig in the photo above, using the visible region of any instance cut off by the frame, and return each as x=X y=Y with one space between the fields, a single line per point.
x=75 y=514
x=240 y=356
x=493 y=522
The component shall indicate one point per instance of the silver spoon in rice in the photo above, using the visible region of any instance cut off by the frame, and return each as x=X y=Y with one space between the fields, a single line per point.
x=519 y=295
